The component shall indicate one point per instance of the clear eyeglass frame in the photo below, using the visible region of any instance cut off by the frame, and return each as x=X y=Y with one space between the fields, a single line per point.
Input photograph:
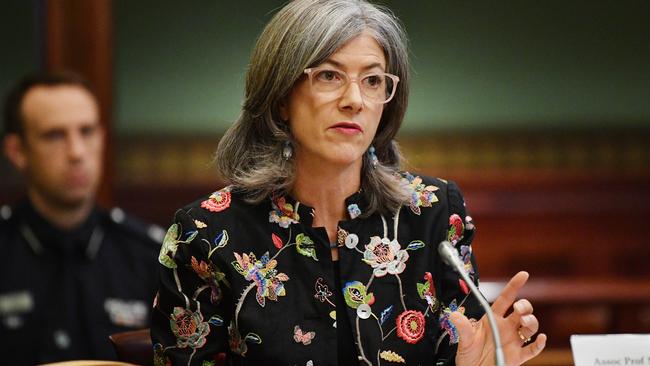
x=347 y=79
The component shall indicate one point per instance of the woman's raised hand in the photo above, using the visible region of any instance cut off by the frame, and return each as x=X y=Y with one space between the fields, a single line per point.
x=476 y=346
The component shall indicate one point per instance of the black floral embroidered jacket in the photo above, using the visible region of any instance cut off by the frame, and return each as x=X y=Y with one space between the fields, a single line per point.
x=256 y=282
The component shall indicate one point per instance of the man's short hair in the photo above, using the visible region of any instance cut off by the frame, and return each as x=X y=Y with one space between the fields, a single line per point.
x=13 y=119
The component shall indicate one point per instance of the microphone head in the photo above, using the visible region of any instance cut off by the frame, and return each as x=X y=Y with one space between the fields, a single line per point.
x=448 y=254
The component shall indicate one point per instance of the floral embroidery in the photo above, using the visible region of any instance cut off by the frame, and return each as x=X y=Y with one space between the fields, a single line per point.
x=218 y=201
x=189 y=328
x=200 y=224
x=391 y=357
x=236 y=343
x=170 y=245
x=283 y=213
x=385 y=314
x=466 y=256
x=159 y=358
x=410 y=326
x=446 y=324
x=421 y=195
x=263 y=273
x=354 y=293
x=209 y=274
x=306 y=246
x=341 y=234
x=322 y=291
x=463 y=286
x=277 y=242
x=469 y=223
x=385 y=256
x=427 y=291
x=302 y=337
x=354 y=211
x=456 y=229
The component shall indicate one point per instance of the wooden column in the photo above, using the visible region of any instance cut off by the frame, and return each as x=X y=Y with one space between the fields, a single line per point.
x=78 y=36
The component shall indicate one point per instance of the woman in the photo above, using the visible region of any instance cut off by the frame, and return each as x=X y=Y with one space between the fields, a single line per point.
x=319 y=251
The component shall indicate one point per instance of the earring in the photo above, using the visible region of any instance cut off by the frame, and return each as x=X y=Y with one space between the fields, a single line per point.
x=372 y=156
x=287 y=150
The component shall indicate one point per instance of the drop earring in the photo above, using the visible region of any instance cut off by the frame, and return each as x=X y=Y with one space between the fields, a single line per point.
x=372 y=156
x=287 y=151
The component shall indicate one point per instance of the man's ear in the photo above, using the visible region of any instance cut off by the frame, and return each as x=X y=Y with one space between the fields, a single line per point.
x=15 y=150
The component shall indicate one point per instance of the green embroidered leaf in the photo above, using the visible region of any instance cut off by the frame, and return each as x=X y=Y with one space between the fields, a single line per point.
x=238 y=267
x=354 y=293
x=423 y=288
x=415 y=245
x=305 y=246
x=216 y=320
x=253 y=338
x=208 y=363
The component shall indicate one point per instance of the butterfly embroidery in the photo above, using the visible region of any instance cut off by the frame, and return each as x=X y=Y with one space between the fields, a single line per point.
x=302 y=337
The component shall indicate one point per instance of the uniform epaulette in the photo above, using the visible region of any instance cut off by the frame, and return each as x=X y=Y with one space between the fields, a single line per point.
x=127 y=222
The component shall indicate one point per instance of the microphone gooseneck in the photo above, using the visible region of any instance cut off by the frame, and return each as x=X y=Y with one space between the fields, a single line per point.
x=450 y=257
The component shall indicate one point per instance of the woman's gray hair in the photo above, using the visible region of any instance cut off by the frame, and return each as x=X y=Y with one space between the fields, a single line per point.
x=301 y=35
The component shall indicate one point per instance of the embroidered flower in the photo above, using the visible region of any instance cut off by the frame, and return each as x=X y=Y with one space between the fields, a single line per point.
x=170 y=245
x=283 y=213
x=236 y=343
x=200 y=224
x=341 y=234
x=322 y=291
x=456 y=229
x=355 y=294
x=427 y=291
x=391 y=356
x=209 y=274
x=385 y=256
x=354 y=211
x=263 y=273
x=446 y=324
x=469 y=223
x=421 y=195
x=159 y=358
x=410 y=326
x=189 y=328
x=218 y=201
x=466 y=256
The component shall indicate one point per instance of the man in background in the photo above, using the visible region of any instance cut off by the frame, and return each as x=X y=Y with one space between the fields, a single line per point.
x=71 y=273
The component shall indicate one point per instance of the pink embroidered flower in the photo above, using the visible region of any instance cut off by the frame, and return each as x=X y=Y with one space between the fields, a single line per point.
x=189 y=328
x=385 y=256
x=456 y=229
x=410 y=326
x=421 y=195
x=218 y=201
x=283 y=213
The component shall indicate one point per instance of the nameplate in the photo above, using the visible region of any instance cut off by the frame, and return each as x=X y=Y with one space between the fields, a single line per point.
x=611 y=349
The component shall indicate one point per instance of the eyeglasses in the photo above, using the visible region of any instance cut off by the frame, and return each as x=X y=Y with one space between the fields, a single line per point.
x=376 y=87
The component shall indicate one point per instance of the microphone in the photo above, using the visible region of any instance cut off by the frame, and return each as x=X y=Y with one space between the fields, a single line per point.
x=450 y=257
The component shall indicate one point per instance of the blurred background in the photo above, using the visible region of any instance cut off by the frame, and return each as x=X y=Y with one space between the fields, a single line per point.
x=540 y=110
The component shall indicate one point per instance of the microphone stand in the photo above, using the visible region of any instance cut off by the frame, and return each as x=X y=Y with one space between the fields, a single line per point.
x=450 y=257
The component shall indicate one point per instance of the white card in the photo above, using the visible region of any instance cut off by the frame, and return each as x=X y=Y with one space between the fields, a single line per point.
x=611 y=349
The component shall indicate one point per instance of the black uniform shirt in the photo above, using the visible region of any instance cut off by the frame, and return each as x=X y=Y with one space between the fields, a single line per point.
x=62 y=293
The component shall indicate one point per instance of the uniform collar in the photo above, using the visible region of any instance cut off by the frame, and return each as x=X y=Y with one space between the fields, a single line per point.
x=41 y=235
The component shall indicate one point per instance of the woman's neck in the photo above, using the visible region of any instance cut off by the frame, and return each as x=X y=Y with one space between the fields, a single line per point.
x=325 y=188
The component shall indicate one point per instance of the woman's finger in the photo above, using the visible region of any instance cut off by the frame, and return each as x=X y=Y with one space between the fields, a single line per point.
x=521 y=308
x=534 y=348
x=529 y=326
x=509 y=293
x=465 y=330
